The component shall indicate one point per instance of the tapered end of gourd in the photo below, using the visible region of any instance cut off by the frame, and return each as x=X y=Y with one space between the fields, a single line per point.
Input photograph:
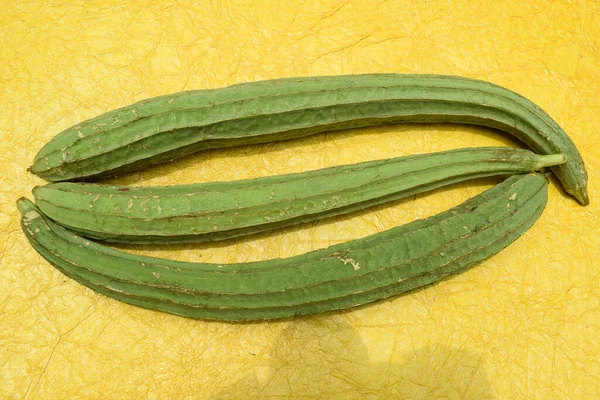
x=582 y=196
x=25 y=205
x=42 y=169
x=32 y=169
x=29 y=211
x=40 y=173
x=578 y=191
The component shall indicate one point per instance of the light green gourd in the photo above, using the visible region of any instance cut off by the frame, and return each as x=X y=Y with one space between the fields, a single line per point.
x=341 y=276
x=221 y=210
x=163 y=128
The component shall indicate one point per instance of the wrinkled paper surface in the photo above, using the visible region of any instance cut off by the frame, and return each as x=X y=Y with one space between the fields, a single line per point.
x=524 y=324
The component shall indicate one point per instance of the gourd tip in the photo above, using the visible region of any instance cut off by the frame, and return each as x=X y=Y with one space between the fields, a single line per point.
x=582 y=196
x=25 y=205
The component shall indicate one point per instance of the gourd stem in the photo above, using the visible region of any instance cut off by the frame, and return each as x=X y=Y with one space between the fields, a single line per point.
x=550 y=160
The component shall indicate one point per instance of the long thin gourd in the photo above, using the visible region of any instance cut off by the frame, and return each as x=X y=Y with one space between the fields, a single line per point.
x=163 y=128
x=341 y=276
x=221 y=210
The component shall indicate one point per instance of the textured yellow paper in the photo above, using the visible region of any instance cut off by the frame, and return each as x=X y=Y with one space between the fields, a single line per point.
x=524 y=324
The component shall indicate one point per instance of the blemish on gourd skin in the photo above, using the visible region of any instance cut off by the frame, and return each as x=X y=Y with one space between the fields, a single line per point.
x=30 y=216
x=95 y=199
x=346 y=260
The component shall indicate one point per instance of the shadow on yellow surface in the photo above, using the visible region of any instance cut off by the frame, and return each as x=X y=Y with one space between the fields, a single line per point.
x=322 y=358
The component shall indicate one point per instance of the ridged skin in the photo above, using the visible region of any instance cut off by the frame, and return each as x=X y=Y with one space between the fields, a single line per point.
x=163 y=128
x=220 y=210
x=341 y=276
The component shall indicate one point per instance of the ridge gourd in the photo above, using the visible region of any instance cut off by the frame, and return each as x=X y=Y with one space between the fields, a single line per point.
x=222 y=210
x=163 y=128
x=345 y=275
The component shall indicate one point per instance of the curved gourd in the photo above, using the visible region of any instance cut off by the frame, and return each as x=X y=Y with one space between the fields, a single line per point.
x=341 y=276
x=222 y=210
x=163 y=128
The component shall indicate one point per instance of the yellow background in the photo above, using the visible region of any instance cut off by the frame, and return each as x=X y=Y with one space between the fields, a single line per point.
x=523 y=325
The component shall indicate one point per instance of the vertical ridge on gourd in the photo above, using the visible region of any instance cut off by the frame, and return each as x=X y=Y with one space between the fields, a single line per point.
x=341 y=276
x=222 y=210
x=163 y=128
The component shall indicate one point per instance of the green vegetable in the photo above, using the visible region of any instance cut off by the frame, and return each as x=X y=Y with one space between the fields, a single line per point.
x=341 y=276
x=163 y=128
x=220 y=210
